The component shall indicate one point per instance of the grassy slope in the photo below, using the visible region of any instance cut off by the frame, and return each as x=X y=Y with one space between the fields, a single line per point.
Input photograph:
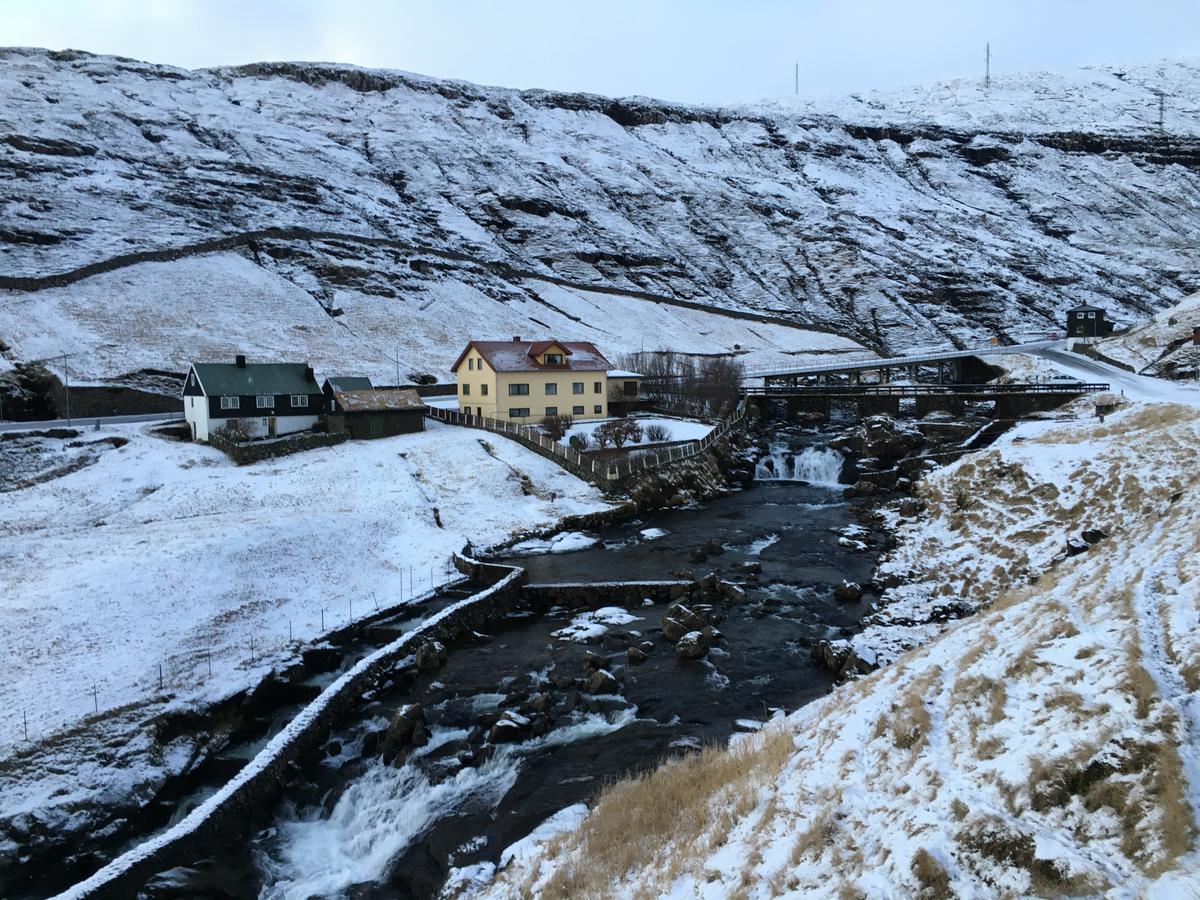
x=1042 y=746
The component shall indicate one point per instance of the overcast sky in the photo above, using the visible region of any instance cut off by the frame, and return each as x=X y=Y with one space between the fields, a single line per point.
x=691 y=51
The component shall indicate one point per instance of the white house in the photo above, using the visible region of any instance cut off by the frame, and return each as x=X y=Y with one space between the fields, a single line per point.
x=266 y=399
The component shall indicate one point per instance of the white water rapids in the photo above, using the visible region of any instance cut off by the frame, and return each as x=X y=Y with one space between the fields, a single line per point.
x=816 y=465
x=386 y=809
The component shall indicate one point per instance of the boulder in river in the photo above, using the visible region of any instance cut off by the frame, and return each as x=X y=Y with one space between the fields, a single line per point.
x=601 y=682
x=511 y=726
x=407 y=729
x=695 y=644
x=637 y=655
x=430 y=655
x=712 y=547
x=848 y=592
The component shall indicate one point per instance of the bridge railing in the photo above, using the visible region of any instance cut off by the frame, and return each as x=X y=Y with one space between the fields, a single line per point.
x=871 y=361
x=924 y=390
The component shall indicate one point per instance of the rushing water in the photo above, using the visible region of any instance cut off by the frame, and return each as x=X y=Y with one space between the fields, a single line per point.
x=815 y=465
x=355 y=826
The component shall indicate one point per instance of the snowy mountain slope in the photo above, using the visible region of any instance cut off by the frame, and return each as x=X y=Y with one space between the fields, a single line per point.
x=164 y=315
x=894 y=234
x=1160 y=346
x=1049 y=745
x=1102 y=100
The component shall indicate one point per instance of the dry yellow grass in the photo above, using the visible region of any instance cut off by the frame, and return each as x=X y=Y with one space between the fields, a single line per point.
x=678 y=803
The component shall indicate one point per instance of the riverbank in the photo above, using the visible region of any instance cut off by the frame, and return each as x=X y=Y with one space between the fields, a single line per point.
x=1046 y=744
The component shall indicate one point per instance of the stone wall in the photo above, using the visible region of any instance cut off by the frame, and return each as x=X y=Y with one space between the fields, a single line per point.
x=256 y=451
x=258 y=784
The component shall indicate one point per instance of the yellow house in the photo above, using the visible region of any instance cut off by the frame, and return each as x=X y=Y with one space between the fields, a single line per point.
x=525 y=381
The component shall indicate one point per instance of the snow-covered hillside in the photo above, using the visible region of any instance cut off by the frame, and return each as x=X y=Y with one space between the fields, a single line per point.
x=165 y=553
x=1047 y=746
x=1162 y=345
x=409 y=202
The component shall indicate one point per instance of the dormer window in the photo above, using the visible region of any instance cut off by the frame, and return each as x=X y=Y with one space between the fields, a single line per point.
x=554 y=359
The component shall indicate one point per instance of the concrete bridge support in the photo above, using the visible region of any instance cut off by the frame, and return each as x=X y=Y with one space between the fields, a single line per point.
x=1013 y=406
x=925 y=404
x=878 y=405
x=797 y=405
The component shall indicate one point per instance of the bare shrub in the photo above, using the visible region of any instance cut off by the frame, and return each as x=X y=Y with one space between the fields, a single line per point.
x=557 y=426
x=658 y=433
x=233 y=431
x=618 y=432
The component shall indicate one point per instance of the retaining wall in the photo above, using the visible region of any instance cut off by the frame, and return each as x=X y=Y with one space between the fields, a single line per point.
x=612 y=593
x=256 y=451
x=258 y=784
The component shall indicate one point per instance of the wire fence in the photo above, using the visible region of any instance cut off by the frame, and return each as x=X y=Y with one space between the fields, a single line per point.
x=602 y=471
x=214 y=657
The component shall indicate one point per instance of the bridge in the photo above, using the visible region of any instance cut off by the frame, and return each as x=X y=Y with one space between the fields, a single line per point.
x=1008 y=401
x=820 y=387
x=950 y=362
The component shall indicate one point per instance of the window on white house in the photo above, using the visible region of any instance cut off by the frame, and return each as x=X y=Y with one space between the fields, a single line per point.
x=551 y=389
x=483 y=389
x=466 y=390
x=471 y=365
x=299 y=400
x=597 y=409
x=577 y=410
x=518 y=412
x=595 y=387
x=552 y=410
x=518 y=390
x=553 y=359
x=264 y=402
x=576 y=387
x=230 y=402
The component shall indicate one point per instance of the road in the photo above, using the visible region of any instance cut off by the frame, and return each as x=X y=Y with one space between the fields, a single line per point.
x=1142 y=388
x=85 y=423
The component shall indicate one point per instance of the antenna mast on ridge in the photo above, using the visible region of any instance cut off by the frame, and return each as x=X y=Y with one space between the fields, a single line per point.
x=797 y=79
x=987 y=71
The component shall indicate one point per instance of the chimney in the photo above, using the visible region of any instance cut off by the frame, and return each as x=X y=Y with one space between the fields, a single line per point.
x=240 y=361
x=309 y=374
x=516 y=339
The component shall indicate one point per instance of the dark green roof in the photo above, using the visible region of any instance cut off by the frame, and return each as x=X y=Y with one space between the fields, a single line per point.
x=226 y=379
x=349 y=383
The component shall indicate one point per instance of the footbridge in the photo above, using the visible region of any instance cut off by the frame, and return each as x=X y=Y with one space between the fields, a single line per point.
x=951 y=364
x=1005 y=401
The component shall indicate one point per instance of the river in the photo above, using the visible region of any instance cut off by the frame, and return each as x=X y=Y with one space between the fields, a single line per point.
x=351 y=825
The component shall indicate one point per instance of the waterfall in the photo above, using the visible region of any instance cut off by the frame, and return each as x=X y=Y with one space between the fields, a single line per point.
x=816 y=465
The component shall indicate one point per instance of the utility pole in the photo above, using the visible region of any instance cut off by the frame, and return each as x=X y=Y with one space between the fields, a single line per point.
x=1162 y=103
x=797 y=79
x=66 y=383
x=987 y=67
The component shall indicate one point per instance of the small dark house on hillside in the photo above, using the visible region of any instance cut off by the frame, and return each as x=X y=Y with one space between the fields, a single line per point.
x=353 y=406
x=264 y=399
x=343 y=383
x=1087 y=322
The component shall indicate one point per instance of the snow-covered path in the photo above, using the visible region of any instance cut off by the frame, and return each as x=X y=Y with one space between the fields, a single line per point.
x=1142 y=388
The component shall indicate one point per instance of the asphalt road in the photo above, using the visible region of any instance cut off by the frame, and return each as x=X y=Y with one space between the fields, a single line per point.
x=85 y=423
